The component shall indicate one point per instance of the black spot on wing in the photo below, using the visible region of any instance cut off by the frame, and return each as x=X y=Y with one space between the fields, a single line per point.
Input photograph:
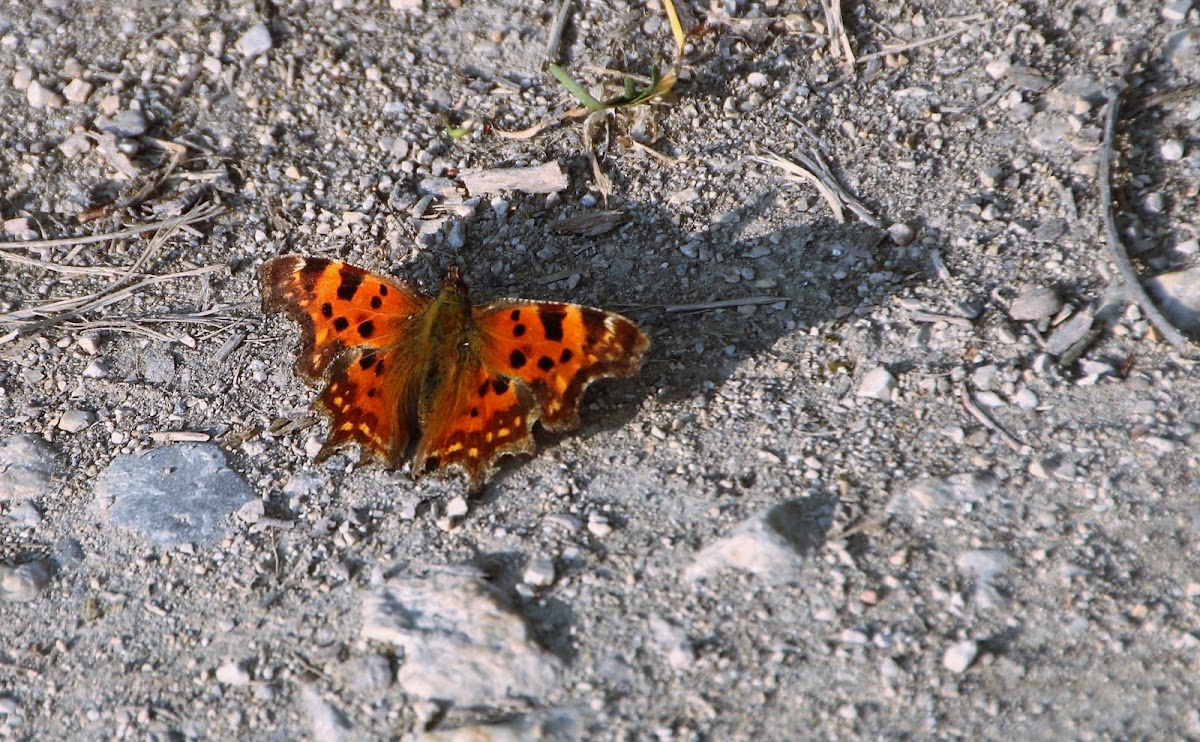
x=517 y=359
x=376 y=302
x=327 y=310
x=566 y=356
x=551 y=317
x=519 y=330
x=341 y=323
x=367 y=360
x=500 y=386
x=366 y=329
x=545 y=363
x=351 y=280
x=516 y=315
x=483 y=388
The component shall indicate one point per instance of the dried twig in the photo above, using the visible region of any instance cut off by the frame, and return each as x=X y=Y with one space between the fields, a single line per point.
x=1116 y=250
x=748 y=301
x=812 y=168
x=837 y=30
x=968 y=402
x=556 y=31
x=198 y=214
x=899 y=48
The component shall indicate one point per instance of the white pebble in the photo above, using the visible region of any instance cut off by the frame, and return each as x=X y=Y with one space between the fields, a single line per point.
x=958 y=657
x=1171 y=150
x=901 y=234
x=22 y=77
x=878 y=383
x=77 y=91
x=598 y=525
x=539 y=572
x=256 y=41
x=97 y=369
x=1176 y=11
x=40 y=96
x=232 y=673
x=74 y=421
x=997 y=69
x=757 y=79
x=457 y=507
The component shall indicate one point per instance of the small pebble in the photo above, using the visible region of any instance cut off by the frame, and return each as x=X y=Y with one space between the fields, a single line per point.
x=74 y=421
x=22 y=77
x=598 y=525
x=958 y=657
x=23 y=582
x=1034 y=304
x=124 y=124
x=256 y=41
x=78 y=91
x=97 y=369
x=539 y=572
x=1176 y=11
x=42 y=97
x=457 y=507
x=1171 y=150
x=75 y=145
x=757 y=79
x=901 y=234
x=878 y=383
x=232 y=673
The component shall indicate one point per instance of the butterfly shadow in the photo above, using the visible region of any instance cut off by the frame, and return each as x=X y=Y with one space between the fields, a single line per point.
x=548 y=619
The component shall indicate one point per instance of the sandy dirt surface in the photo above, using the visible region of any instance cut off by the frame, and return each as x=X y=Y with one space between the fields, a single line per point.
x=923 y=467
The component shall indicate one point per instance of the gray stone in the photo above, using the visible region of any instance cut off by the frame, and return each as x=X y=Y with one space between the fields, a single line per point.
x=945 y=493
x=27 y=464
x=76 y=421
x=1066 y=335
x=23 y=582
x=771 y=545
x=173 y=495
x=328 y=724
x=462 y=643
x=1178 y=295
x=1034 y=304
x=124 y=124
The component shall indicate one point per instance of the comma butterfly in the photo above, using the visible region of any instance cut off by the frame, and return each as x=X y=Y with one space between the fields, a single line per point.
x=469 y=381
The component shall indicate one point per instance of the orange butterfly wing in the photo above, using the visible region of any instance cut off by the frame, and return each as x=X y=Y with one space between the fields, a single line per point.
x=557 y=350
x=362 y=333
x=525 y=361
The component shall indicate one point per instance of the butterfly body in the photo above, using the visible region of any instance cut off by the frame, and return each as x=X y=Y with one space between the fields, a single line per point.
x=466 y=382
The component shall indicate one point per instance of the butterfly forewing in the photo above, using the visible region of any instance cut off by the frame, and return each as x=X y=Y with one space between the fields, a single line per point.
x=557 y=350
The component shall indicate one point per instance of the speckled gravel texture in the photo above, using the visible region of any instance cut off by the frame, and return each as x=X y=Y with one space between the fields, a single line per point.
x=934 y=478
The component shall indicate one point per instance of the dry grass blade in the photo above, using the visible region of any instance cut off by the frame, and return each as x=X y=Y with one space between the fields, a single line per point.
x=556 y=31
x=837 y=30
x=704 y=306
x=59 y=310
x=198 y=214
x=541 y=126
x=1116 y=250
x=813 y=169
x=590 y=125
x=900 y=48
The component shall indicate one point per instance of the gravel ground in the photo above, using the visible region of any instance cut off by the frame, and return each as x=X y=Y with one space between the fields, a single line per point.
x=927 y=470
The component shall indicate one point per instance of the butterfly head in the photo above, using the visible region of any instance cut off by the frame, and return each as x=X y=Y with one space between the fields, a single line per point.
x=454 y=288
